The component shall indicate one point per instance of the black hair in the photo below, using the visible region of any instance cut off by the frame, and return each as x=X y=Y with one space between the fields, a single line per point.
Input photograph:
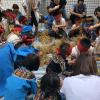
x=30 y=62
x=50 y=85
x=97 y=10
x=85 y=42
x=63 y=49
x=15 y=6
x=80 y=0
x=19 y=26
x=53 y=67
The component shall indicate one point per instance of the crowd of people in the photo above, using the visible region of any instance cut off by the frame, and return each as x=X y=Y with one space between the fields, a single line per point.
x=65 y=79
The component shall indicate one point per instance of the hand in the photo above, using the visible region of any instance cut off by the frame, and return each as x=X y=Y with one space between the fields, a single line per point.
x=56 y=7
x=72 y=62
x=55 y=29
x=80 y=15
x=70 y=10
x=91 y=27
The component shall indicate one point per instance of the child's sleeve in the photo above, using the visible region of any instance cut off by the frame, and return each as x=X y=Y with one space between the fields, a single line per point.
x=33 y=86
x=12 y=51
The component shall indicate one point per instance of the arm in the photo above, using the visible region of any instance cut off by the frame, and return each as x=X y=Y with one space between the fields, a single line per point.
x=63 y=25
x=95 y=26
x=77 y=14
x=50 y=10
x=24 y=5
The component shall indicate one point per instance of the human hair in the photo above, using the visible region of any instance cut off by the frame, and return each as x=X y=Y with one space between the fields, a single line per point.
x=15 y=6
x=50 y=85
x=80 y=0
x=97 y=10
x=53 y=67
x=18 y=26
x=85 y=64
x=30 y=62
x=65 y=49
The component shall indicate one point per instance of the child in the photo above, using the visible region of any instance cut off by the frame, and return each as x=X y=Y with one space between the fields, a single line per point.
x=84 y=45
x=23 y=79
x=22 y=20
x=16 y=11
x=59 y=26
x=59 y=61
x=13 y=37
x=24 y=47
x=49 y=88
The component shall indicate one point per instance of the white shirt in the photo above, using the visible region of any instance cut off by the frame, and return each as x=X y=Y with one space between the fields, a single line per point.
x=13 y=38
x=1 y=7
x=81 y=87
x=75 y=52
x=60 y=23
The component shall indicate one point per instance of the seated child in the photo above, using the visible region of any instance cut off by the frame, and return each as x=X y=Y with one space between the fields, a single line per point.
x=89 y=21
x=49 y=88
x=25 y=47
x=59 y=26
x=13 y=37
x=16 y=11
x=84 y=45
x=48 y=19
x=22 y=81
x=22 y=20
x=59 y=61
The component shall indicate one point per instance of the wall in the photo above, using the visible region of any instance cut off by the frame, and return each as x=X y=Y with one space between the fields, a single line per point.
x=91 y=4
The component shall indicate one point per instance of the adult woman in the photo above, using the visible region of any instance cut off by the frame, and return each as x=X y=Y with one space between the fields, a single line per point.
x=85 y=85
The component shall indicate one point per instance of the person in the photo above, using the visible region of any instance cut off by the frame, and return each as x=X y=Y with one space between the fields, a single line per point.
x=7 y=56
x=22 y=20
x=1 y=9
x=85 y=84
x=59 y=61
x=14 y=37
x=78 y=11
x=49 y=88
x=97 y=14
x=31 y=10
x=56 y=6
x=59 y=26
x=63 y=4
x=23 y=79
x=2 y=30
x=15 y=9
x=83 y=45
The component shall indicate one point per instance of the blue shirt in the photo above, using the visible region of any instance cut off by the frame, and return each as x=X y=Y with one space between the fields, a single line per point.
x=25 y=50
x=17 y=88
x=80 y=9
x=7 y=57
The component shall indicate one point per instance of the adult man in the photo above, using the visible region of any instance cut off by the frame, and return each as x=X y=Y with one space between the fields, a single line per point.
x=31 y=10
x=78 y=11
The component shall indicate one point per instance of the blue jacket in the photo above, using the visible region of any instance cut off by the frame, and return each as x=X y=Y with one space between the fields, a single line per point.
x=17 y=88
x=7 y=57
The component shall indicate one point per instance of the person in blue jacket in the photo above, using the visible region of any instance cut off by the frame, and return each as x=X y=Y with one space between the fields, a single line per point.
x=7 y=58
x=25 y=47
x=22 y=81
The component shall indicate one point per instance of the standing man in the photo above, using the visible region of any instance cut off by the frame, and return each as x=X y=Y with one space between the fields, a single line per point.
x=78 y=11
x=32 y=11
